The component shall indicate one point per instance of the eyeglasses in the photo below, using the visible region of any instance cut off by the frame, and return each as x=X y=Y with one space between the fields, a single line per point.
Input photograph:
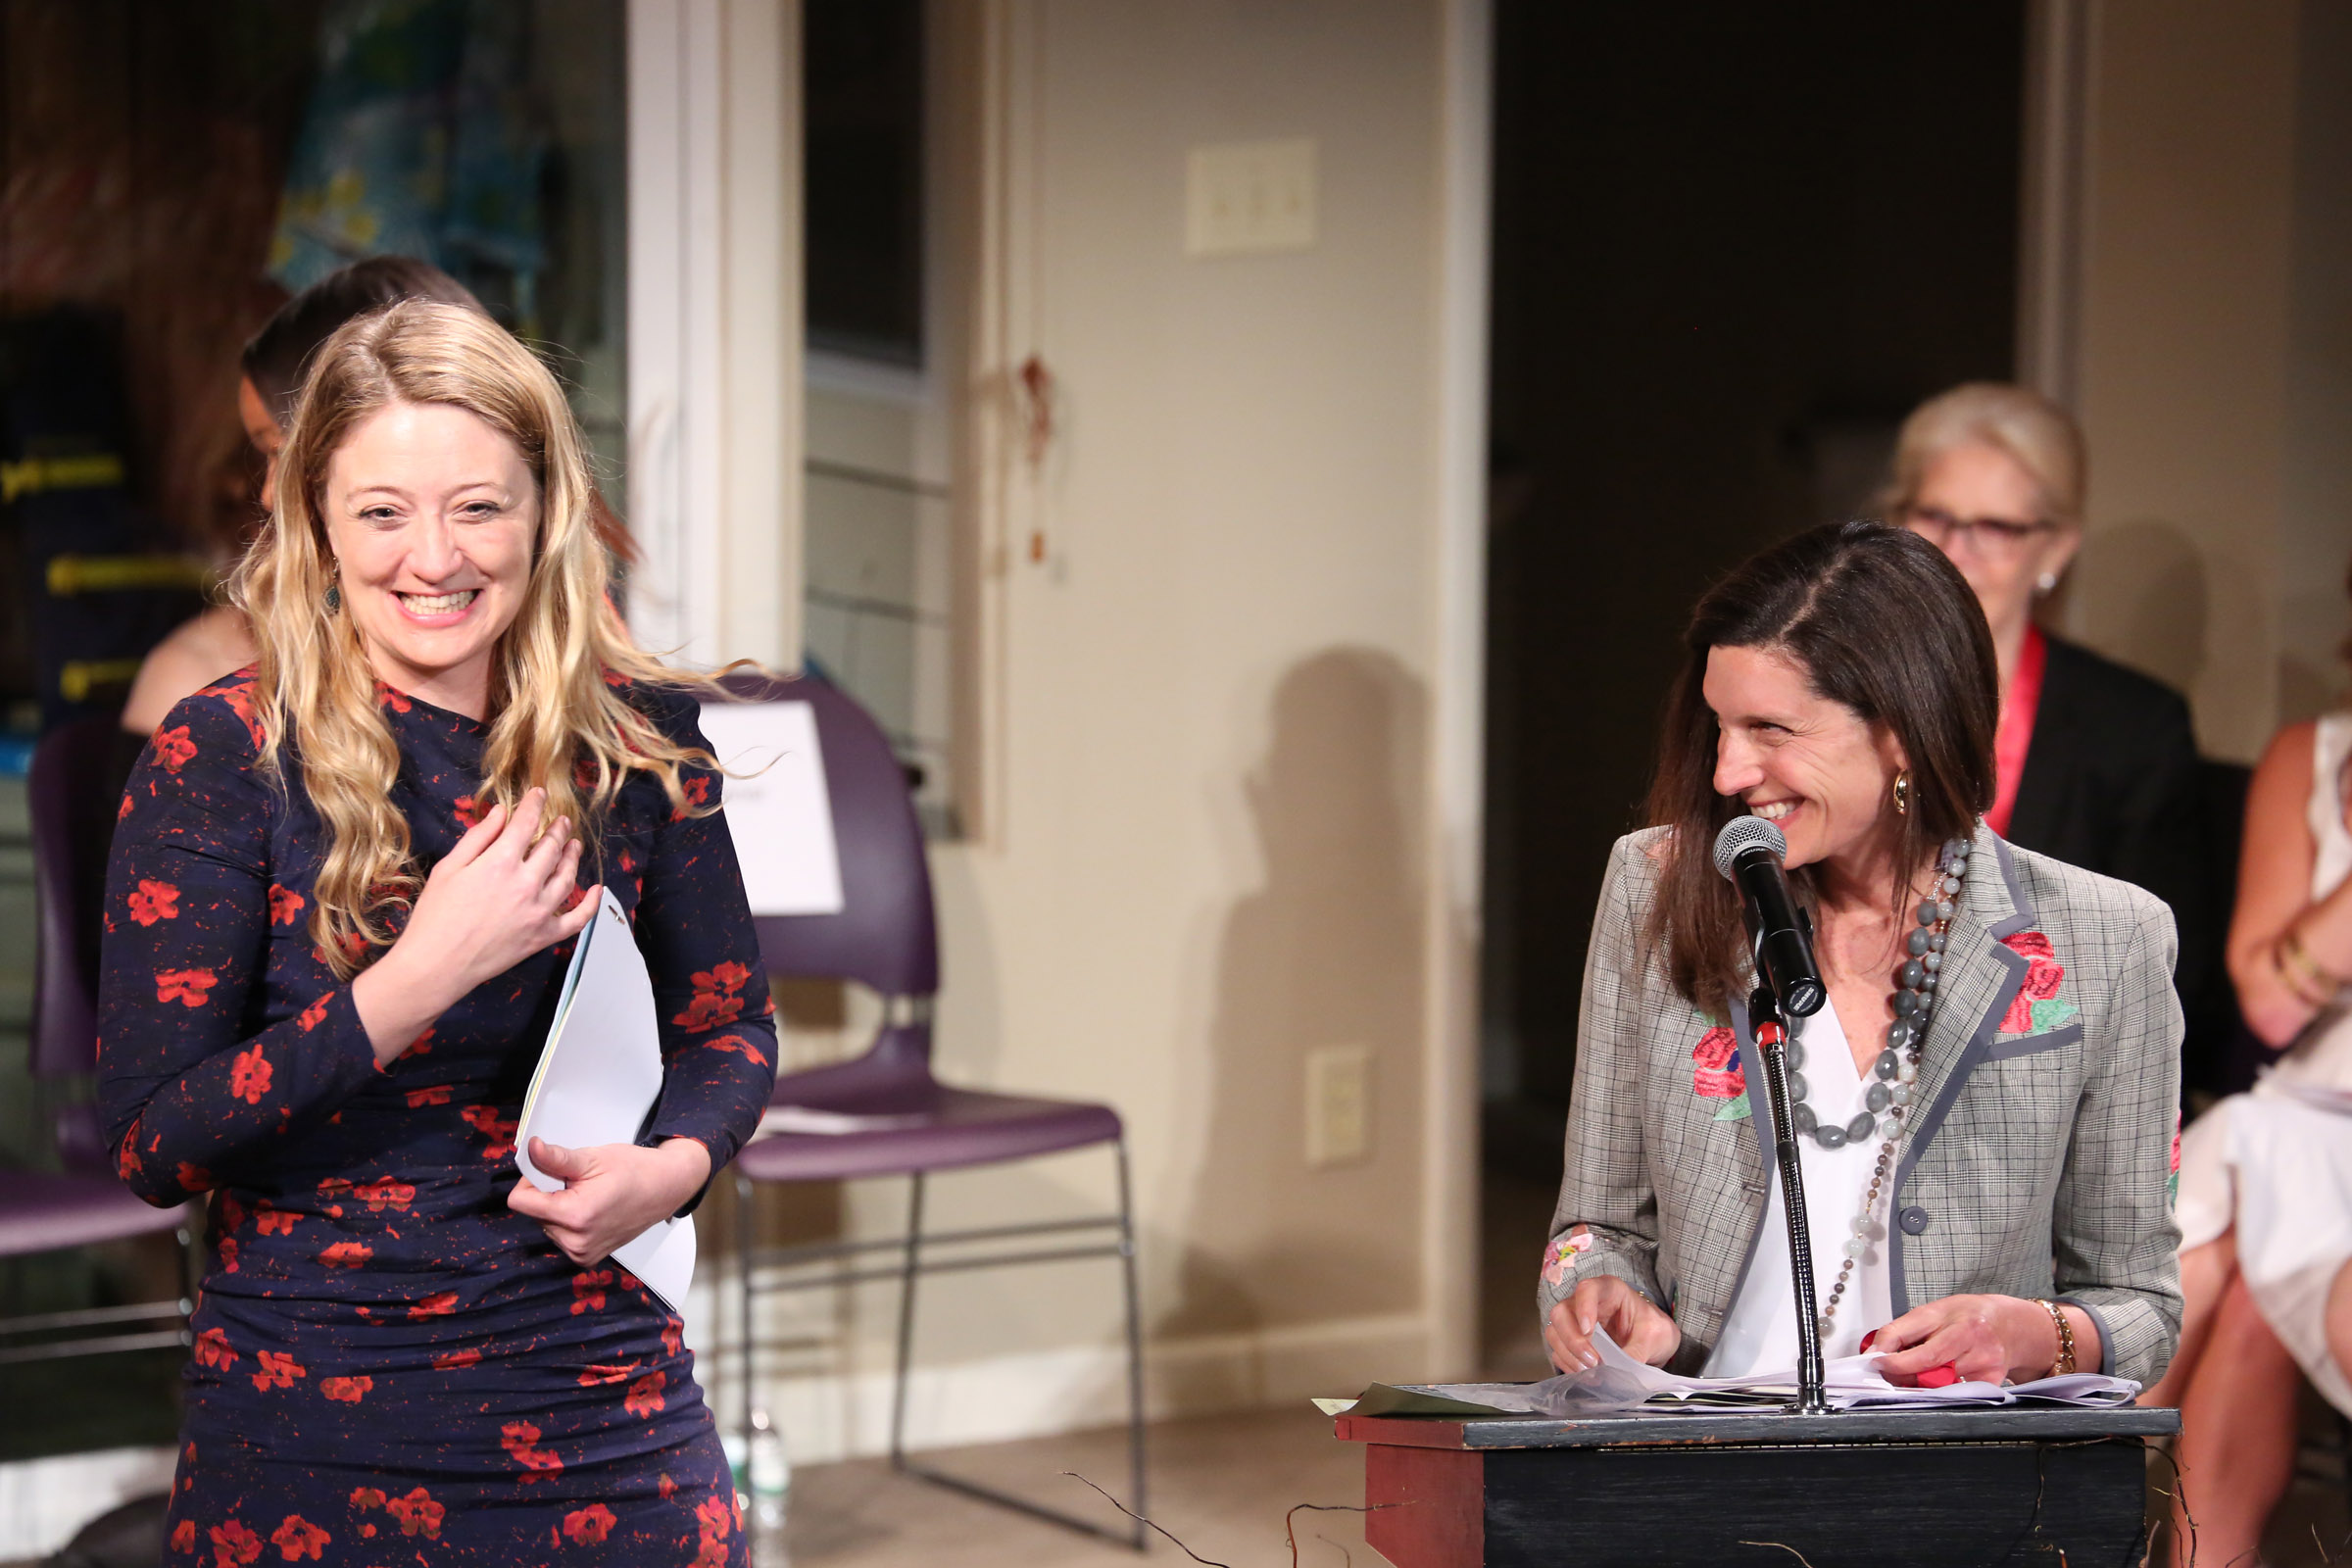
x=1984 y=533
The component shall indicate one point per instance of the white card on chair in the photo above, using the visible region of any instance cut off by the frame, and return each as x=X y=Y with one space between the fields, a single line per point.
x=779 y=808
x=598 y=1077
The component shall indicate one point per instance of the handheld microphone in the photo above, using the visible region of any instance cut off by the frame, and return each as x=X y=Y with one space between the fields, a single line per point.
x=1748 y=851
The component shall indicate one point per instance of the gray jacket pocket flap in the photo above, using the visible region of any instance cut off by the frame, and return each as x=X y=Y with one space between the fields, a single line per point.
x=2034 y=1045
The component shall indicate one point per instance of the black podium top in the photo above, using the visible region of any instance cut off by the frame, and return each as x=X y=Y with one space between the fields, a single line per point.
x=1731 y=1428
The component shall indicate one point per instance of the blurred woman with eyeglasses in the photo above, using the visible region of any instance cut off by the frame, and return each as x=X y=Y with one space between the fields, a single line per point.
x=2095 y=765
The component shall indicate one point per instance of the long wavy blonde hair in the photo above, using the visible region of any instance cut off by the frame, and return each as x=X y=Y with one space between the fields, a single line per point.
x=556 y=717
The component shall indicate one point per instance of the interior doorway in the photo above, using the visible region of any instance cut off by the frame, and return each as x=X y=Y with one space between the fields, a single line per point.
x=1731 y=251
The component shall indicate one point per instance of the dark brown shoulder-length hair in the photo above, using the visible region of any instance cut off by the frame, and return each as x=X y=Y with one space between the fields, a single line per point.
x=1879 y=621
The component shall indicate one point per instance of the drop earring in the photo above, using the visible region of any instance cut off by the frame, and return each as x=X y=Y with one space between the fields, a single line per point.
x=1902 y=793
x=334 y=595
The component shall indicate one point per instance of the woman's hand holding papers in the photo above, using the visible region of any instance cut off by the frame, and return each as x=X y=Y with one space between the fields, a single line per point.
x=611 y=1193
x=1606 y=1302
x=506 y=892
x=1986 y=1338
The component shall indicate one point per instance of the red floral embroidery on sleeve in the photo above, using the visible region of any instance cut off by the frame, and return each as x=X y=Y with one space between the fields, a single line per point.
x=152 y=901
x=187 y=987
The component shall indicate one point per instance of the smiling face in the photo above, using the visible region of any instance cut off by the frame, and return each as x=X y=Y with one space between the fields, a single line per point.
x=1807 y=763
x=432 y=515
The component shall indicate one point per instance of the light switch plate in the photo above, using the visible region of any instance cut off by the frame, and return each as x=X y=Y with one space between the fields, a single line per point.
x=1245 y=197
x=1338 y=1105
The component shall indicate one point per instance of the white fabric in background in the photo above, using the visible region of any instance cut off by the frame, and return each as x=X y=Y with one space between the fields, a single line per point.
x=1759 y=1333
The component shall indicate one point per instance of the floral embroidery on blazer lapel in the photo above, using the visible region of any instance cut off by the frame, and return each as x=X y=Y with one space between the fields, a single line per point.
x=2037 y=1007
x=1720 y=1074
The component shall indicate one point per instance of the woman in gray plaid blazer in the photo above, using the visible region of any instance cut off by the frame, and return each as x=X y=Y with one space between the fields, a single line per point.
x=2018 y=1220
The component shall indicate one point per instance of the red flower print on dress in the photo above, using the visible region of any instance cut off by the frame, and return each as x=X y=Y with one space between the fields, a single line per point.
x=2044 y=973
x=587 y=1526
x=346 y=1254
x=645 y=1396
x=238 y=695
x=212 y=1350
x=520 y=1439
x=234 y=1544
x=225 y=1250
x=673 y=1335
x=347 y=1389
x=1719 y=1074
x=183 y=1536
x=441 y=1303
x=454 y=1359
x=469 y=811
x=193 y=1178
x=298 y=1539
x=285 y=905
x=184 y=986
x=750 y=1053
x=316 y=1013
x=386 y=697
x=598 y=1375
x=124 y=811
x=714 y=1518
x=271 y=1222
x=384 y=1193
x=430 y=1095
x=153 y=901
x=249 y=1076
x=695 y=795
x=588 y=1291
x=418 y=1514
x=174 y=748
x=500 y=1129
x=714 y=1000
x=277 y=1371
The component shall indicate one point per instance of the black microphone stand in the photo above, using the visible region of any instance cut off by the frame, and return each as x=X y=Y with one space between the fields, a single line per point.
x=1766 y=1024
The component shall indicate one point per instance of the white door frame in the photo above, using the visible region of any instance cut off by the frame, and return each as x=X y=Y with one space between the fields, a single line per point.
x=715 y=345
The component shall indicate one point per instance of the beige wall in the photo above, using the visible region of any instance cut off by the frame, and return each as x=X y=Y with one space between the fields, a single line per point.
x=1205 y=841
x=2216 y=354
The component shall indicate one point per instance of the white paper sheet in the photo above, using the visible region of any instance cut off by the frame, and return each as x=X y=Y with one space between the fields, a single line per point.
x=778 y=809
x=598 y=1077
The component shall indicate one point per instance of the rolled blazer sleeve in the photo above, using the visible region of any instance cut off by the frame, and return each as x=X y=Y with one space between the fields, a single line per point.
x=1607 y=1219
x=2113 y=1237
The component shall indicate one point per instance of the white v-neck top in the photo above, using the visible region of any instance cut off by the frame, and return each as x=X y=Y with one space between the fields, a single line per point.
x=1759 y=1334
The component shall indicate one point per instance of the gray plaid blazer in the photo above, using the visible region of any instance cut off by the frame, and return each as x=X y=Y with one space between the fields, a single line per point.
x=2039 y=1160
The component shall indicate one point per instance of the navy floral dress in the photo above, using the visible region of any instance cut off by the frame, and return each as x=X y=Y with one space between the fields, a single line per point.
x=390 y=1365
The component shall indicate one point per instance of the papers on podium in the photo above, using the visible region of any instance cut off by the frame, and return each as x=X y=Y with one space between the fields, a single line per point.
x=1621 y=1385
x=598 y=1077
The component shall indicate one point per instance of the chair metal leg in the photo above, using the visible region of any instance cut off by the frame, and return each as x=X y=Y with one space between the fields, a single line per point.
x=1135 y=1351
x=909 y=1275
x=746 y=1238
x=1134 y=1534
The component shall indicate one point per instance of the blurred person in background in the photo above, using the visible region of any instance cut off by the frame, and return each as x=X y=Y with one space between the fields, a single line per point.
x=2094 y=765
x=209 y=646
x=2266 y=1177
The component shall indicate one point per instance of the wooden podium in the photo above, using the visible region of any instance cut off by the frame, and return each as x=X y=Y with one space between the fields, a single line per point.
x=1930 y=1487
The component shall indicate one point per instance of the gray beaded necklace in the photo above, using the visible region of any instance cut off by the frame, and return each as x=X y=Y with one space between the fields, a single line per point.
x=1897 y=1068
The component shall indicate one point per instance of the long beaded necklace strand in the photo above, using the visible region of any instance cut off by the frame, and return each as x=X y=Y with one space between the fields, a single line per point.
x=1897 y=1068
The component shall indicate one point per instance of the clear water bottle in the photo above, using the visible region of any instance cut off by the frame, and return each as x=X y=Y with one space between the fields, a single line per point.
x=767 y=1470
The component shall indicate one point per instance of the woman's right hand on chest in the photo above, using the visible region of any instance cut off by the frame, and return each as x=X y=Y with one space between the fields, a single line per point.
x=1607 y=1302
x=494 y=899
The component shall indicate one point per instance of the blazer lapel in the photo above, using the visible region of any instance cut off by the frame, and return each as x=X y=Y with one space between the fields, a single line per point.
x=1980 y=979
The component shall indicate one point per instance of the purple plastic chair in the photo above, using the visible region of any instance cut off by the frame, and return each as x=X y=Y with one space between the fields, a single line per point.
x=883 y=1113
x=74 y=792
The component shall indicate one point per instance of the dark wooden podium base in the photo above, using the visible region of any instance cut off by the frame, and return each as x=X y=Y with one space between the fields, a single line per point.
x=1969 y=1488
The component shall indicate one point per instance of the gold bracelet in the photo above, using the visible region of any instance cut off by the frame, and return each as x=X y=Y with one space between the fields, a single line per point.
x=2066 y=1339
x=2302 y=972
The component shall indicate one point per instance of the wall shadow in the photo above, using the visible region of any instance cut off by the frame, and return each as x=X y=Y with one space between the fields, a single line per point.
x=1327 y=952
x=2141 y=597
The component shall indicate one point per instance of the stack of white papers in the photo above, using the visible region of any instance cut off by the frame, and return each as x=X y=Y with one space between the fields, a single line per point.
x=599 y=1075
x=1621 y=1385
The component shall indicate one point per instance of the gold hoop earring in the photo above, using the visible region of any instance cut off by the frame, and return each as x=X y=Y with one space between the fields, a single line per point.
x=1902 y=793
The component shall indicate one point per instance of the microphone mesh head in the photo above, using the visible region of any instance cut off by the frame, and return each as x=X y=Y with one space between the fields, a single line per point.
x=1744 y=833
